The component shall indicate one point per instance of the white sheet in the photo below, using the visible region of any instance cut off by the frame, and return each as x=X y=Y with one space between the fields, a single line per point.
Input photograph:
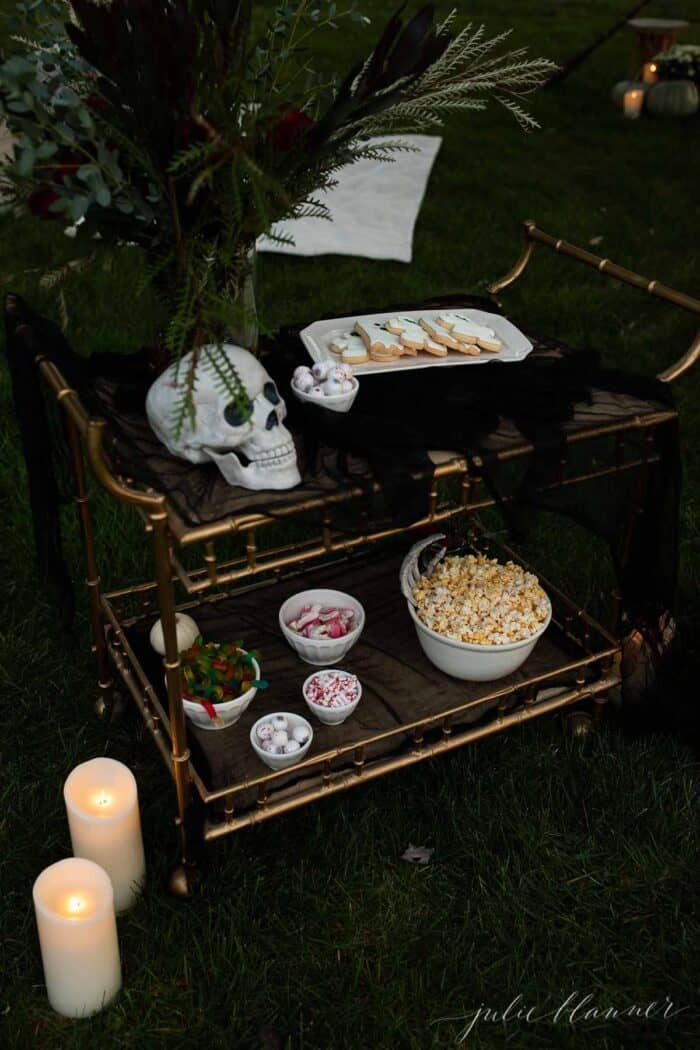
x=374 y=207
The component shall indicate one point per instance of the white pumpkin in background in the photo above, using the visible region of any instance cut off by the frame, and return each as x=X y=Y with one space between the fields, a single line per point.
x=673 y=98
x=186 y=629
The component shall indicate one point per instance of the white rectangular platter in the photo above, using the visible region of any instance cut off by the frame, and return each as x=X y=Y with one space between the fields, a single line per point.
x=317 y=337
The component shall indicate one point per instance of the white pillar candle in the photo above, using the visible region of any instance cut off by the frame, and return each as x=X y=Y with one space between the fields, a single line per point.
x=74 y=908
x=103 y=815
x=632 y=102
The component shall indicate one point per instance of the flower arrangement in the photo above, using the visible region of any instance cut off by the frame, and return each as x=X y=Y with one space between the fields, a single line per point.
x=188 y=128
x=216 y=672
x=680 y=62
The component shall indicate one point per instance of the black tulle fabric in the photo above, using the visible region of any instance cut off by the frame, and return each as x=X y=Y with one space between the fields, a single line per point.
x=395 y=420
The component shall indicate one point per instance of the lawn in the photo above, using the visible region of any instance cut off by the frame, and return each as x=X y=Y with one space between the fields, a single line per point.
x=559 y=867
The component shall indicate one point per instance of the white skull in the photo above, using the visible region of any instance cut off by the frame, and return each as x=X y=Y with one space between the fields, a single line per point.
x=257 y=452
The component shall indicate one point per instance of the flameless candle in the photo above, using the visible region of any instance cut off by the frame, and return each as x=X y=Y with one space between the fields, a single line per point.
x=74 y=907
x=632 y=102
x=103 y=816
x=649 y=73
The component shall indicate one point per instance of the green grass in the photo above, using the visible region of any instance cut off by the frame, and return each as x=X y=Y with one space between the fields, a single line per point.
x=559 y=867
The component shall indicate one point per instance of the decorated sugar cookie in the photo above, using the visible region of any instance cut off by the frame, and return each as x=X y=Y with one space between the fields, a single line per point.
x=414 y=336
x=439 y=335
x=350 y=348
x=382 y=345
x=462 y=327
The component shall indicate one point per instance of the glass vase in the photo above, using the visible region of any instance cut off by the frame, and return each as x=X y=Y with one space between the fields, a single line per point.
x=242 y=288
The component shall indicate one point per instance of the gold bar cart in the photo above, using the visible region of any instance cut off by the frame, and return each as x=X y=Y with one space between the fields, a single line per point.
x=582 y=665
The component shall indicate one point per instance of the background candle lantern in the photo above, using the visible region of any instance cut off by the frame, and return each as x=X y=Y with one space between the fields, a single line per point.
x=103 y=815
x=649 y=73
x=74 y=908
x=632 y=102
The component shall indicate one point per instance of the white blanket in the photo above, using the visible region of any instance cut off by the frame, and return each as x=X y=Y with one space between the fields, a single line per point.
x=374 y=207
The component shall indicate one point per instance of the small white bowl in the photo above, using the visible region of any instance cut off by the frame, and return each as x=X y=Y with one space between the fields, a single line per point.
x=229 y=712
x=332 y=716
x=281 y=761
x=472 y=662
x=335 y=402
x=322 y=652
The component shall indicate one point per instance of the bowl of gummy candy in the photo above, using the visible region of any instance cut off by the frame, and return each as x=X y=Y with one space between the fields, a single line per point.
x=281 y=739
x=327 y=383
x=332 y=695
x=322 y=625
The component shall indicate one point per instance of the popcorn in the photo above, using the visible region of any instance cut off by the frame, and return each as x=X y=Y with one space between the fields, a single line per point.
x=475 y=599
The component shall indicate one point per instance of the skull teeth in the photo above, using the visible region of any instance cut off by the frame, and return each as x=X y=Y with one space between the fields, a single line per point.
x=276 y=457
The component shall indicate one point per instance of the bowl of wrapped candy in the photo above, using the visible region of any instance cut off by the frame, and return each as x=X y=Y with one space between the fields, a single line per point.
x=281 y=739
x=322 y=625
x=332 y=695
x=328 y=383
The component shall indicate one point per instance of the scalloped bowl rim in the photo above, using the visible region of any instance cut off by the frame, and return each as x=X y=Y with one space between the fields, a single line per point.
x=353 y=635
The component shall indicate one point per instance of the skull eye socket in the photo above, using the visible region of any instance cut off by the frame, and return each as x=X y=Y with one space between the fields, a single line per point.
x=270 y=392
x=237 y=413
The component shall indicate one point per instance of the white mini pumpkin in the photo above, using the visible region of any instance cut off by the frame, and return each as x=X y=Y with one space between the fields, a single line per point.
x=673 y=98
x=186 y=630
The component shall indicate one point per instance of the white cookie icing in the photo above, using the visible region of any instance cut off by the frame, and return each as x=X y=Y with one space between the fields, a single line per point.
x=459 y=324
x=410 y=329
x=348 y=341
x=376 y=334
x=355 y=353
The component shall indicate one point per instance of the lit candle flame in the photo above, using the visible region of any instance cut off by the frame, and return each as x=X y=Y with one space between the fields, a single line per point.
x=75 y=905
x=103 y=799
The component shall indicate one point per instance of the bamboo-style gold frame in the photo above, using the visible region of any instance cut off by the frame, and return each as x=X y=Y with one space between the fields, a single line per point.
x=170 y=537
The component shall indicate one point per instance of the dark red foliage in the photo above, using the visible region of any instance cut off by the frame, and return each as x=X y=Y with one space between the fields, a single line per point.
x=286 y=132
x=68 y=163
x=96 y=102
x=40 y=202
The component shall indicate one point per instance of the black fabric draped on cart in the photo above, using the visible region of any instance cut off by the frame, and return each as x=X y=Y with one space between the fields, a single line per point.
x=395 y=420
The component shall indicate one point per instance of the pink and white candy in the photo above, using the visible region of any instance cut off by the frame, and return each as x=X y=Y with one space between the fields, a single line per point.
x=332 y=689
x=316 y=621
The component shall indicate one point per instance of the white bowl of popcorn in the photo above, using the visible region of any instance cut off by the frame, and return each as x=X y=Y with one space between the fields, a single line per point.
x=327 y=383
x=478 y=619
